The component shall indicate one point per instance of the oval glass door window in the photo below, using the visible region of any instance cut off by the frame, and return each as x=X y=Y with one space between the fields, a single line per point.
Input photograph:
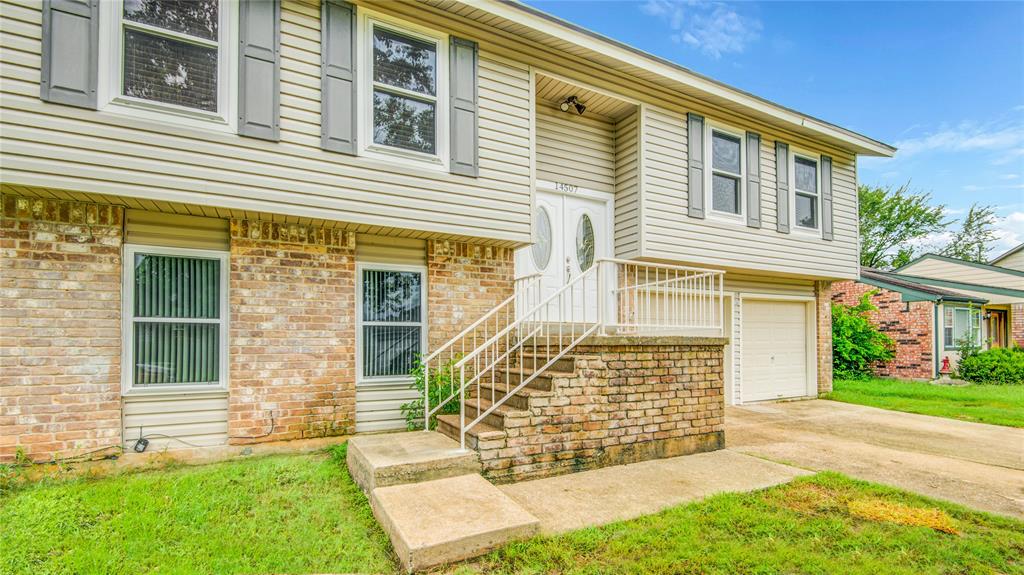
x=542 y=249
x=585 y=243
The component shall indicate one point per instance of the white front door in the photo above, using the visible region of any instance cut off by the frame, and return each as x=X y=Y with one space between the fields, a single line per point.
x=572 y=234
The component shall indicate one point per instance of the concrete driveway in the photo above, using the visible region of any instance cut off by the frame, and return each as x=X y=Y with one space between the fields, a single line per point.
x=978 y=465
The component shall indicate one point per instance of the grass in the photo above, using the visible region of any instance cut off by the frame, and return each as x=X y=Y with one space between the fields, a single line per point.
x=303 y=514
x=995 y=404
x=823 y=524
x=275 y=514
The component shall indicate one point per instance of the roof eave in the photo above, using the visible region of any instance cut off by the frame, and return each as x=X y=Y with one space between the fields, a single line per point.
x=550 y=24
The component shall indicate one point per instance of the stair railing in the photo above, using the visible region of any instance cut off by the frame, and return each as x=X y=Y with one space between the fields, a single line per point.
x=613 y=296
x=526 y=293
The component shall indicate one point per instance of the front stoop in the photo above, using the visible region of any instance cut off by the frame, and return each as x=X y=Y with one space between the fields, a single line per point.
x=446 y=520
x=411 y=457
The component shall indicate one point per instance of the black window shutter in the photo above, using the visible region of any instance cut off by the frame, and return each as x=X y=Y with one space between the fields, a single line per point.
x=259 y=69
x=70 y=52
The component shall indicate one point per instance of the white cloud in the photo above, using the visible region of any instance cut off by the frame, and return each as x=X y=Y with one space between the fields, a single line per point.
x=1009 y=233
x=714 y=28
x=967 y=136
x=1009 y=177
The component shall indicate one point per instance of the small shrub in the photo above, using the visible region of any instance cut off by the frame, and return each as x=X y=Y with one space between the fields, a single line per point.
x=999 y=366
x=440 y=390
x=856 y=342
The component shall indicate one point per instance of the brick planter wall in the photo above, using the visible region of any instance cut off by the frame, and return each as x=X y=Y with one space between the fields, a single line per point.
x=464 y=281
x=292 y=291
x=909 y=324
x=630 y=400
x=60 y=327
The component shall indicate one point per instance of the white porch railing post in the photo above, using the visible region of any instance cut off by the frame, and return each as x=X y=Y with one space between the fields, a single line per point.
x=602 y=269
x=426 y=395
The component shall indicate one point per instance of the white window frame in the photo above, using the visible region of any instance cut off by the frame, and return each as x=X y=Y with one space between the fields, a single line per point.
x=949 y=322
x=361 y=379
x=128 y=319
x=111 y=71
x=367 y=21
x=793 y=155
x=709 y=129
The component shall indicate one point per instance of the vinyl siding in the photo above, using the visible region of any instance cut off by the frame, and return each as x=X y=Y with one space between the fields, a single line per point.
x=104 y=153
x=627 y=186
x=198 y=419
x=670 y=234
x=1013 y=261
x=953 y=271
x=576 y=150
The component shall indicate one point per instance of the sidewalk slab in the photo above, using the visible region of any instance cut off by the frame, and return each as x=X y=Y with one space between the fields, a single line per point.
x=577 y=500
x=438 y=522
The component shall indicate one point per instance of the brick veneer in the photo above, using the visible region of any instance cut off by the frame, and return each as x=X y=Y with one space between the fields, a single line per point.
x=292 y=291
x=823 y=317
x=1017 y=323
x=464 y=281
x=628 y=401
x=909 y=324
x=60 y=329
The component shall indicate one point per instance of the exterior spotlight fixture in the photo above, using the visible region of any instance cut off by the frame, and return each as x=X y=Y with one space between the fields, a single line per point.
x=572 y=102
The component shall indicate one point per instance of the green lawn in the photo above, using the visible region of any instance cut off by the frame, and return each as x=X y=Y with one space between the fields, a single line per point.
x=996 y=404
x=303 y=514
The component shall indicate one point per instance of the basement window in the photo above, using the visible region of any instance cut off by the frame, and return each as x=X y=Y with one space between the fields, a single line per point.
x=175 y=315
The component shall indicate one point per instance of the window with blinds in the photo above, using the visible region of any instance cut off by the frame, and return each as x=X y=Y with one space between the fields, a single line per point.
x=392 y=322
x=177 y=324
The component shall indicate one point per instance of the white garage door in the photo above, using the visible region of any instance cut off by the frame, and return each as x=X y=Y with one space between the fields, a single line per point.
x=774 y=350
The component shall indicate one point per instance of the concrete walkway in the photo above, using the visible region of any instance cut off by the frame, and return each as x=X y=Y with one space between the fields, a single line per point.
x=978 y=465
x=588 y=498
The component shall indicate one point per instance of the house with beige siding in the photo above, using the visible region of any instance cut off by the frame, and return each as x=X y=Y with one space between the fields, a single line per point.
x=238 y=221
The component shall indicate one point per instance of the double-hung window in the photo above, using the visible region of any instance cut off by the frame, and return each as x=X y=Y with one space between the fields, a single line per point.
x=727 y=170
x=406 y=92
x=959 y=324
x=806 y=199
x=170 y=56
x=175 y=314
x=392 y=321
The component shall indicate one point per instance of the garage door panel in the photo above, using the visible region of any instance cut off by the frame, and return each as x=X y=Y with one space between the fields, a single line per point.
x=774 y=350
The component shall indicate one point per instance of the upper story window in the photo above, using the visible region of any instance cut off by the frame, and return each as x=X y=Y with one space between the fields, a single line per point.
x=406 y=95
x=806 y=195
x=727 y=170
x=170 y=57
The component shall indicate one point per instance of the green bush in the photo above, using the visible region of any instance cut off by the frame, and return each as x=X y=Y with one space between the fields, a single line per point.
x=856 y=342
x=999 y=366
x=440 y=390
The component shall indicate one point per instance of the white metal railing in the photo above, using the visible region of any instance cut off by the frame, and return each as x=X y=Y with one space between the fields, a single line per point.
x=611 y=297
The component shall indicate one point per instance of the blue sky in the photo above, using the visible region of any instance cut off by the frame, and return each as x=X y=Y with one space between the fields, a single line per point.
x=944 y=82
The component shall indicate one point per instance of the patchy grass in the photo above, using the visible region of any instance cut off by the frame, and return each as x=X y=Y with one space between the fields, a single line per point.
x=275 y=514
x=303 y=514
x=995 y=404
x=824 y=524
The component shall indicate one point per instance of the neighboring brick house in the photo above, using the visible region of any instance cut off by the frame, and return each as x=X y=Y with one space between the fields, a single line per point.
x=926 y=317
x=245 y=221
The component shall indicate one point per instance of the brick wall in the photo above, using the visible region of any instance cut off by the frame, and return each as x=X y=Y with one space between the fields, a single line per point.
x=627 y=401
x=464 y=281
x=823 y=317
x=292 y=292
x=909 y=324
x=1017 y=323
x=60 y=328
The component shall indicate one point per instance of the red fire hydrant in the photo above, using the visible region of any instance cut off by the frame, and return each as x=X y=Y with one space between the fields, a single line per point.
x=945 y=369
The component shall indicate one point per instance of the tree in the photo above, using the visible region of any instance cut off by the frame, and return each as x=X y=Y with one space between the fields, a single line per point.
x=892 y=223
x=857 y=343
x=976 y=232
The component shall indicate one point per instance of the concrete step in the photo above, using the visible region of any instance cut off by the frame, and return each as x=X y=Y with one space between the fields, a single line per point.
x=496 y=418
x=438 y=522
x=519 y=400
x=407 y=457
x=448 y=425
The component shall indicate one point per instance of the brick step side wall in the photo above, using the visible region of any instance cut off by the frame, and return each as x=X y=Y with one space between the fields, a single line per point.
x=626 y=402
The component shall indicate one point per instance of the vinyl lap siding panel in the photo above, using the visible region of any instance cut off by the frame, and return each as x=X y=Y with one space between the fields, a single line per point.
x=946 y=270
x=575 y=150
x=85 y=151
x=670 y=234
x=196 y=419
x=627 y=187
